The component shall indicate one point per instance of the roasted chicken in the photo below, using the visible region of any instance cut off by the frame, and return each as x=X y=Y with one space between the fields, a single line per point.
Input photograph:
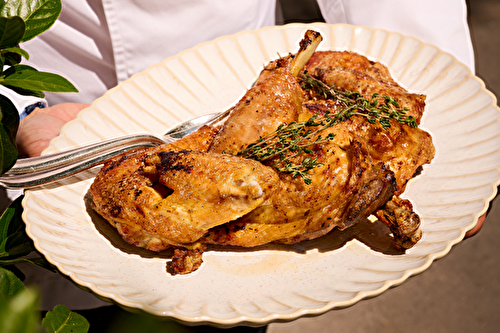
x=202 y=190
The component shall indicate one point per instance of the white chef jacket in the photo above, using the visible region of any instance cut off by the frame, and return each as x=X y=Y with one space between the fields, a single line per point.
x=99 y=43
x=439 y=22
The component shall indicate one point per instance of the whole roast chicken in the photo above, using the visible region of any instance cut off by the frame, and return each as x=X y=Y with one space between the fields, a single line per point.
x=207 y=189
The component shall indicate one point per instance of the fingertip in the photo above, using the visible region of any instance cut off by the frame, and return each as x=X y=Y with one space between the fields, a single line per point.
x=474 y=231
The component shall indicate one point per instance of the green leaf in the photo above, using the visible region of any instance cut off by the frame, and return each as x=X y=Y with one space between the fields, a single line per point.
x=11 y=58
x=10 y=220
x=62 y=320
x=17 y=50
x=10 y=262
x=9 y=117
x=17 y=244
x=42 y=262
x=39 y=15
x=13 y=238
x=14 y=242
x=27 y=92
x=21 y=314
x=18 y=69
x=5 y=219
x=41 y=81
x=12 y=30
x=8 y=151
x=9 y=123
x=18 y=305
x=10 y=285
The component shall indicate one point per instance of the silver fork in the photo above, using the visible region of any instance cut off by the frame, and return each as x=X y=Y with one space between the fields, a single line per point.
x=35 y=171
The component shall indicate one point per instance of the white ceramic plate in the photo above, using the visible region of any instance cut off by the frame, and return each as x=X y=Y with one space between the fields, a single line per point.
x=257 y=286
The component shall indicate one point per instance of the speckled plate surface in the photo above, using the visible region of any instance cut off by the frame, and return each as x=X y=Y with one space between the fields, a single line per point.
x=256 y=286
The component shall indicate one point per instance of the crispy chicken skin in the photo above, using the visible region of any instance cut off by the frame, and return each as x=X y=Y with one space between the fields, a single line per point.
x=362 y=167
x=276 y=99
x=165 y=196
x=404 y=223
x=349 y=60
x=121 y=188
x=401 y=148
x=196 y=191
x=348 y=187
x=348 y=79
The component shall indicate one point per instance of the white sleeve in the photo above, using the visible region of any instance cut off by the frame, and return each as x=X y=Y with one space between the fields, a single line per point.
x=442 y=23
x=21 y=102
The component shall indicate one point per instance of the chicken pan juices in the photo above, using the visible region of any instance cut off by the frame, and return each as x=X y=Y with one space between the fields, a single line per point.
x=323 y=140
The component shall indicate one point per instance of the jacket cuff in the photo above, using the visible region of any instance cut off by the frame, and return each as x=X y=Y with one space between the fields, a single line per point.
x=24 y=104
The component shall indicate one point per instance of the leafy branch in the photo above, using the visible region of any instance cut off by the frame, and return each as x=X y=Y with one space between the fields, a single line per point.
x=281 y=148
x=18 y=310
x=21 y=21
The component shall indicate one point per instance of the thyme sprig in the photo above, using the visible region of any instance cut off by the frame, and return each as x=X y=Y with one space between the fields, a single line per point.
x=281 y=148
x=375 y=108
x=287 y=142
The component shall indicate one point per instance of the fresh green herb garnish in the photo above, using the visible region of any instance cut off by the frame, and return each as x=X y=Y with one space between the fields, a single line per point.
x=289 y=141
x=280 y=148
x=375 y=108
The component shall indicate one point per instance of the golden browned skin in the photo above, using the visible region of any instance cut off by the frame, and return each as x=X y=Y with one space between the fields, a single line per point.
x=173 y=194
x=398 y=215
x=275 y=99
x=362 y=168
x=348 y=187
x=349 y=60
x=193 y=192
x=185 y=261
x=352 y=80
x=401 y=148
x=158 y=197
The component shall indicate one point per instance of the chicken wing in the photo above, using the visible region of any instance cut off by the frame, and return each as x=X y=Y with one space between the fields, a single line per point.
x=159 y=197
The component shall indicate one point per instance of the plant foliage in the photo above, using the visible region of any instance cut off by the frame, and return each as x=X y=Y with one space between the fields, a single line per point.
x=20 y=21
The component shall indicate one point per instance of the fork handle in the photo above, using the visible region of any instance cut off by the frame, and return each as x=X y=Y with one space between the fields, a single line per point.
x=68 y=163
x=33 y=179
x=50 y=161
